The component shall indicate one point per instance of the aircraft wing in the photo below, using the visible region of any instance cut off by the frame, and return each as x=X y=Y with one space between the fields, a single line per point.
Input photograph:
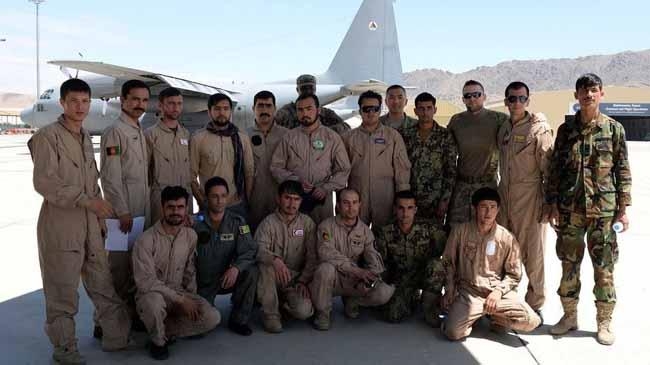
x=150 y=78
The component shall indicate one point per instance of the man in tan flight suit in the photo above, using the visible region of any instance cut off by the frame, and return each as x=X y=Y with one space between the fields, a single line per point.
x=475 y=132
x=483 y=270
x=163 y=266
x=350 y=266
x=314 y=156
x=220 y=149
x=70 y=228
x=124 y=174
x=169 y=150
x=286 y=258
x=265 y=136
x=525 y=148
x=380 y=165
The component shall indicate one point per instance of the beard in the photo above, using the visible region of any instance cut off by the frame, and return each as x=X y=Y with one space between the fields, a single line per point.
x=221 y=121
x=174 y=220
x=307 y=121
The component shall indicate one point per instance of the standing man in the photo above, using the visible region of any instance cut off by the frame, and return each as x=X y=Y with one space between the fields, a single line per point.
x=220 y=149
x=225 y=259
x=169 y=148
x=125 y=179
x=483 y=270
x=432 y=152
x=589 y=188
x=70 y=229
x=265 y=136
x=287 y=116
x=314 y=156
x=380 y=166
x=350 y=265
x=475 y=132
x=287 y=259
x=163 y=266
x=411 y=249
x=396 y=101
x=525 y=147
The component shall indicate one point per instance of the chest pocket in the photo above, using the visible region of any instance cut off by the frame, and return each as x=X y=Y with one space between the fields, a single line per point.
x=356 y=245
x=469 y=250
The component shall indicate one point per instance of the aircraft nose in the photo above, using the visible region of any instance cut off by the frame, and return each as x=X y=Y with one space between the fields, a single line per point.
x=27 y=116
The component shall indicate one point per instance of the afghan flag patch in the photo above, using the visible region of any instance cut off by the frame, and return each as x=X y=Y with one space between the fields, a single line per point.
x=244 y=229
x=113 y=151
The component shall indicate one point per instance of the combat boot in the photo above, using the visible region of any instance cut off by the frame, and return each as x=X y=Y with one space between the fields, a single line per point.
x=569 y=321
x=272 y=324
x=351 y=307
x=604 y=318
x=431 y=308
x=322 y=321
x=64 y=356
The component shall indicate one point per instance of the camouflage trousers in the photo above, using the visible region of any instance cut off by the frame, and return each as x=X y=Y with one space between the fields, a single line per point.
x=406 y=297
x=603 y=251
x=460 y=206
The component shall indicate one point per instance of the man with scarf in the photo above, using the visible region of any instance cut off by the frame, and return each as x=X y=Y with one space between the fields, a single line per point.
x=220 y=149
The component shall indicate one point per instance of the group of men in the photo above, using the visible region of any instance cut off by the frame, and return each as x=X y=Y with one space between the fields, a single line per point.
x=417 y=206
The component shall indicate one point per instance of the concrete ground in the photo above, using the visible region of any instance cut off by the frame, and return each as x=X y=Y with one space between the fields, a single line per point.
x=364 y=341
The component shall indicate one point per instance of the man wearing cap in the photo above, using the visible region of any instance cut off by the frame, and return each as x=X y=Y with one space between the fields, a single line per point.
x=396 y=102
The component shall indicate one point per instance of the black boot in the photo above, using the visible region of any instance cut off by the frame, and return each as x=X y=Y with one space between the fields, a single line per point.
x=241 y=329
x=158 y=352
x=98 y=333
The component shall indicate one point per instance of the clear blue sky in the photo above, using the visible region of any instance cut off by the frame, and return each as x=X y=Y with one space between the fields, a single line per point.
x=257 y=40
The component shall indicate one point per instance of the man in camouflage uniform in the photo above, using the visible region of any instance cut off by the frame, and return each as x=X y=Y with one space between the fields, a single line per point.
x=288 y=117
x=411 y=249
x=396 y=102
x=432 y=152
x=475 y=132
x=589 y=188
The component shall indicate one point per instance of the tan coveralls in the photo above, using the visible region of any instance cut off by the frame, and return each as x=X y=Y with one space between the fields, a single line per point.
x=69 y=236
x=265 y=188
x=380 y=167
x=340 y=249
x=524 y=153
x=169 y=163
x=163 y=266
x=124 y=174
x=213 y=155
x=474 y=270
x=318 y=158
x=295 y=244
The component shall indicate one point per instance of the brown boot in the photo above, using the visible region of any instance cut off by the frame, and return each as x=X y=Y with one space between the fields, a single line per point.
x=431 y=308
x=569 y=321
x=604 y=318
x=272 y=324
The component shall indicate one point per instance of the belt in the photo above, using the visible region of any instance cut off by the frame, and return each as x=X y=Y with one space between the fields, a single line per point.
x=476 y=179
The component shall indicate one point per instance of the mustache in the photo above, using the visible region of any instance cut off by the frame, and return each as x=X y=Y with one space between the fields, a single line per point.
x=265 y=115
x=139 y=109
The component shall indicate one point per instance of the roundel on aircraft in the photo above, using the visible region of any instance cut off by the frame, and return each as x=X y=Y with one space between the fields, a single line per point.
x=372 y=25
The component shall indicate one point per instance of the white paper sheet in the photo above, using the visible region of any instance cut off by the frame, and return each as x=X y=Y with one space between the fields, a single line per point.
x=118 y=241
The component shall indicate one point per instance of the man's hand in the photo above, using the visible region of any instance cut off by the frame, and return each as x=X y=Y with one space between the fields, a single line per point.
x=303 y=290
x=307 y=187
x=319 y=194
x=229 y=278
x=189 y=221
x=621 y=216
x=546 y=213
x=126 y=223
x=190 y=308
x=554 y=217
x=492 y=301
x=442 y=209
x=199 y=195
x=102 y=227
x=363 y=275
x=101 y=207
x=282 y=273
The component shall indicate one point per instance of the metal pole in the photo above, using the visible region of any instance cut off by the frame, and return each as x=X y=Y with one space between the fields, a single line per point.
x=38 y=58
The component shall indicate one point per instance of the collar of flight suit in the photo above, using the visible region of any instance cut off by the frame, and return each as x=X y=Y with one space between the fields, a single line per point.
x=279 y=215
x=320 y=126
x=489 y=235
x=124 y=119
x=61 y=121
x=165 y=128
x=256 y=128
x=158 y=227
x=380 y=129
x=208 y=220
x=340 y=223
x=528 y=118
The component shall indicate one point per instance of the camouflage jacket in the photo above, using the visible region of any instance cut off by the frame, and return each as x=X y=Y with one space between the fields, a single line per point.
x=407 y=255
x=406 y=122
x=589 y=171
x=287 y=117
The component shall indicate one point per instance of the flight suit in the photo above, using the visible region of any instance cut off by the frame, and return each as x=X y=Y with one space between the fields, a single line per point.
x=295 y=243
x=287 y=117
x=318 y=158
x=219 y=248
x=475 y=266
x=169 y=163
x=406 y=122
x=69 y=237
x=163 y=266
x=125 y=180
x=524 y=153
x=379 y=168
x=265 y=188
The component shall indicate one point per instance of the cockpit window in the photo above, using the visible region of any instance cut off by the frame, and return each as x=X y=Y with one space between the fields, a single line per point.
x=47 y=94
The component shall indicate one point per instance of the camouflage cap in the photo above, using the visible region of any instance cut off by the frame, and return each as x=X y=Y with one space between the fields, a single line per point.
x=306 y=79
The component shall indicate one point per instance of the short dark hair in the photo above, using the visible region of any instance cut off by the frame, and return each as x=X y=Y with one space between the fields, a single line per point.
x=215 y=181
x=424 y=97
x=133 y=84
x=290 y=187
x=77 y=85
x=215 y=98
x=473 y=82
x=308 y=96
x=264 y=94
x=394 y=87
x=168 y=93
x=369 y=95
x=516 y=85
x=404 y=194
x=174 y=193
x=589 y=80
x=340 y=193
x=485 y=194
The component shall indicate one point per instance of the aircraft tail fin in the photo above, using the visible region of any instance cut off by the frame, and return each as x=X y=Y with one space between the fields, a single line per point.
x=370 y=50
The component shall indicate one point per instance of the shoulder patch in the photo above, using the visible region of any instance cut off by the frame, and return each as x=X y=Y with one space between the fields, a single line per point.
x=113 y=151
x=244 y=229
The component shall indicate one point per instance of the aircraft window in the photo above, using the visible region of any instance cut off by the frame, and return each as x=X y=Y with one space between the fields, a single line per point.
x=47 y=94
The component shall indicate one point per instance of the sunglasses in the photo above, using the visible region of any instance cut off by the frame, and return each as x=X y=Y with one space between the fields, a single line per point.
x=476 y=95
x=371 y=109
x=514 y=98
